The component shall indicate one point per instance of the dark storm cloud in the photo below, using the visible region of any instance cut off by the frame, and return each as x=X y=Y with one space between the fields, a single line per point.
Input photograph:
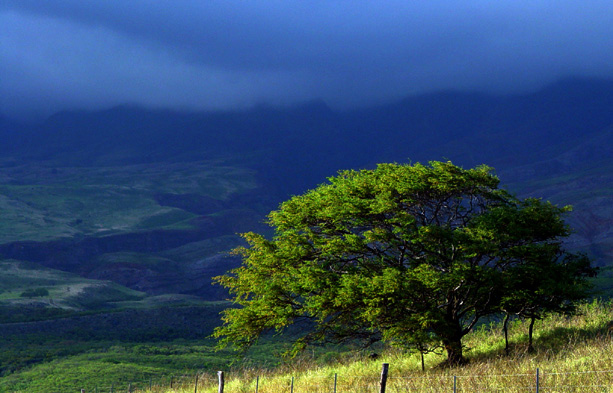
x=219 y=54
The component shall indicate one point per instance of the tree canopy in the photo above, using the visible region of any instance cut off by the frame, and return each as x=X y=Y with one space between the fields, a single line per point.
x=414 y=255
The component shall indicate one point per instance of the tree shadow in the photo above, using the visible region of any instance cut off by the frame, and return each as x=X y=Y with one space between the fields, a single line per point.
x=560 y=338
x=551 y=342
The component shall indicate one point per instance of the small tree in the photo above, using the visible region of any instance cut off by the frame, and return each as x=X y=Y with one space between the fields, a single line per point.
x=545 y=284
x=405 y=253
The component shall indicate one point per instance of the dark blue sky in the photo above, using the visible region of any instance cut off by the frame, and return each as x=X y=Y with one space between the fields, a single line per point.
x=219 y=54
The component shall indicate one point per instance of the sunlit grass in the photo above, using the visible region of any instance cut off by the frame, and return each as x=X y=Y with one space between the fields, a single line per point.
x=572 y=354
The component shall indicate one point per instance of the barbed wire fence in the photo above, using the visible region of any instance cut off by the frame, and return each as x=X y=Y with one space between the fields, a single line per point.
x=161 y=384
x=593 y=381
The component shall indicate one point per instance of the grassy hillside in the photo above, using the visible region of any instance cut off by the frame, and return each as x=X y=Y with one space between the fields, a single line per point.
x=572 y=354
x=161 y=339
x=157 y=228
x=569 y=352
x=42 y=202
x=141 y=207
x=26 y=288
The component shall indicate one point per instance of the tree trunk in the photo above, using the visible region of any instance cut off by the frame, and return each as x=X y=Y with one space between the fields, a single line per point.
x=505 y=329
x=530 y=329
x=451 y=336
x=454 y=351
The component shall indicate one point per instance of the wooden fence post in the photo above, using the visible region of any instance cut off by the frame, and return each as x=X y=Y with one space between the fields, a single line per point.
x=384 y=372
x=196 y=384
x=335 y=379
x=221 y=381
x=257 y=384
x=291 y=389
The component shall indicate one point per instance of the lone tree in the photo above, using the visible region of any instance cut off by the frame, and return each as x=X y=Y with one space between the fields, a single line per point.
x=410 y=254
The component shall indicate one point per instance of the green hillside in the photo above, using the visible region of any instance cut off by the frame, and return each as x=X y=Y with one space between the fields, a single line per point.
x=158 y=336
x=572 y=354
x=568 y=352
x=112 y=224
x=42 y=202
x=28 y=287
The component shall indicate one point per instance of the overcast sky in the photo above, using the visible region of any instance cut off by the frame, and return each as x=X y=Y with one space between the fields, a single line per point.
x=220 y=54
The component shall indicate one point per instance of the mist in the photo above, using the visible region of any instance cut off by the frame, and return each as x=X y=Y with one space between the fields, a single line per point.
x=194 y=55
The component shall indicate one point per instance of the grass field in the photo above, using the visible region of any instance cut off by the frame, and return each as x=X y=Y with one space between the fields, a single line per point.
x=572 y=352
x=572 y=355
x=157 y=340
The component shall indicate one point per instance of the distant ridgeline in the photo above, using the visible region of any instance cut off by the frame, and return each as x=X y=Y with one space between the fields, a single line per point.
x=153 y=199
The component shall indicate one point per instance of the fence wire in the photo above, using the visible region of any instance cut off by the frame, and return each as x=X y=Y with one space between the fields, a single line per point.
x=596 y=381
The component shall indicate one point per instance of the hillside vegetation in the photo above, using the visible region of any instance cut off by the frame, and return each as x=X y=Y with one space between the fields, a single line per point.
x=162 y=338
x=123 y=193
x=571 y=353
x=44 y=201
x=113 y=223
x=157 y=228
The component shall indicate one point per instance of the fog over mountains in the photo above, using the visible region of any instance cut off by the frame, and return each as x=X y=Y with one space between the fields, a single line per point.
x=215 y=55
x=100 y=192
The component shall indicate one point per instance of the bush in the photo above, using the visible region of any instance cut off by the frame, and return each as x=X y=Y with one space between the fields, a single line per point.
x=38 y=292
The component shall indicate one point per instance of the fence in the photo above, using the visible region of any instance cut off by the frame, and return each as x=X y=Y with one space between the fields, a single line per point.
x=386 y=382
x=182 y=383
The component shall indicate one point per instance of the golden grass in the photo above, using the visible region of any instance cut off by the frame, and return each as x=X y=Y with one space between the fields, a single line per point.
x=572 y=355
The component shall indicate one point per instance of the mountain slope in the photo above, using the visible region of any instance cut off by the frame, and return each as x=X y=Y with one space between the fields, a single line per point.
x=139 y=196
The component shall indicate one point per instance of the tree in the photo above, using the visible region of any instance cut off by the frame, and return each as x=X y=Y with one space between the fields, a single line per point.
x=545 y=284
x=410 y=254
